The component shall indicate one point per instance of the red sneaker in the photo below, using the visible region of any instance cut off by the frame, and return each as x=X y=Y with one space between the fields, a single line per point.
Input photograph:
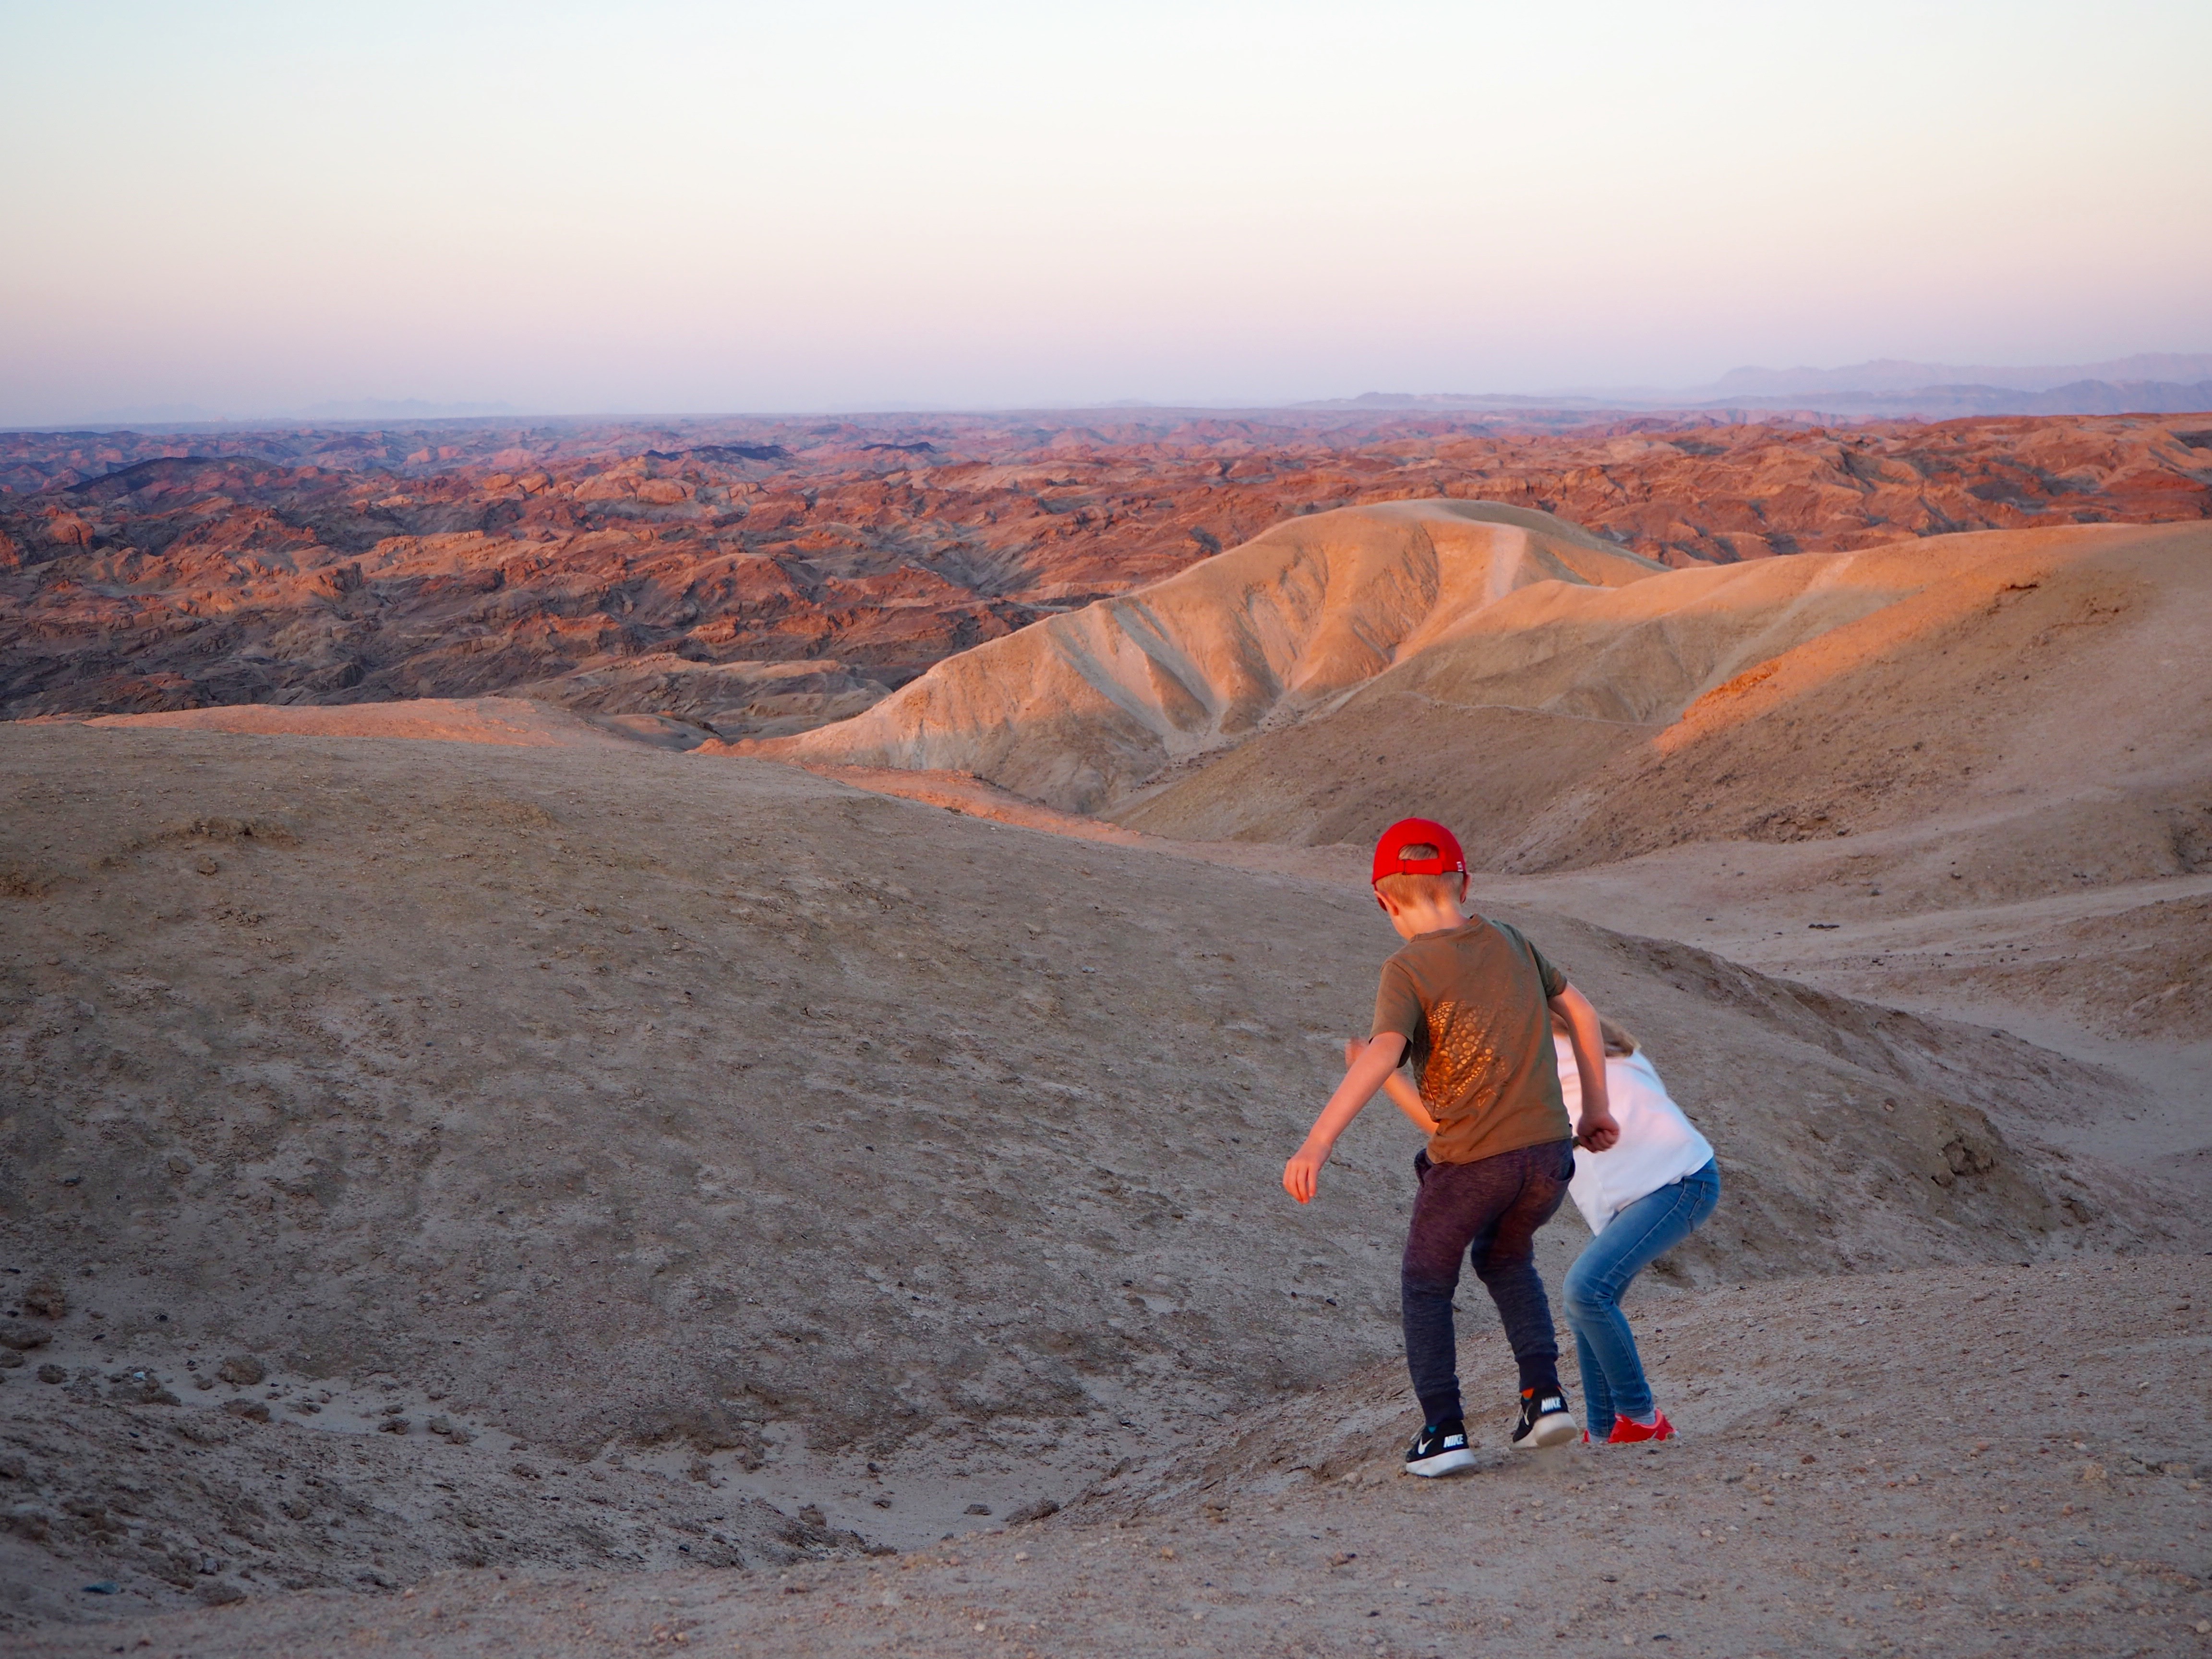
x=1625 y=1432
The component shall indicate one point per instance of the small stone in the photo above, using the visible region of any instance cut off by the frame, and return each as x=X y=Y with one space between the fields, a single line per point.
x=206 y=866
x=221 y=1592
x=53 y=1374
x=10 y=1358
x=812 y=1516
x=15 y=1333
x=978 y=1509
x=242 y=1368
x=393 y=1425
x=103 y=1587
x=45 y=1298
x=253 y=1411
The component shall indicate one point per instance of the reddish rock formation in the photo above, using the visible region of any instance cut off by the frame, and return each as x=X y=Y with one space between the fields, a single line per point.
x=143 y=572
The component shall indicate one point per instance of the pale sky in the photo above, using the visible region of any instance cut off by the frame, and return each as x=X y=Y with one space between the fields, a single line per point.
x=840 y=205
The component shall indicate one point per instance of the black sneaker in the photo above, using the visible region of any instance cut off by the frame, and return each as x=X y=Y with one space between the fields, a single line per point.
x=1440 y=1448
x=1544 y=1420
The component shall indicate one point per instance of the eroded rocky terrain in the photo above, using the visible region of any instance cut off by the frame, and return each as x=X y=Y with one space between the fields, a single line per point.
x=680 y=567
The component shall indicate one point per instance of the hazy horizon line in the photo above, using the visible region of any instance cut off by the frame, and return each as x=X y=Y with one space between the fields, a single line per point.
x=1874 y=377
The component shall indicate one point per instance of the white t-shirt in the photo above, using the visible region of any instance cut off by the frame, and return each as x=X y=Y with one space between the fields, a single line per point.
x=1657 y=1146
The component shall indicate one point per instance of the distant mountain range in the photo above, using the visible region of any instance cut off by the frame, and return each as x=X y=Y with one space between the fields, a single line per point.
x=1894 y=375
x=2151 y=383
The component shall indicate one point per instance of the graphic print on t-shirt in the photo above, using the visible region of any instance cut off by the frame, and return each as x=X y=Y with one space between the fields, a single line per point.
x=1460 y=1046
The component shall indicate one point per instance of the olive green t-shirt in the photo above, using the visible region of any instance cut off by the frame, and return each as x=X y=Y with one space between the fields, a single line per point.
x=1473 y=1003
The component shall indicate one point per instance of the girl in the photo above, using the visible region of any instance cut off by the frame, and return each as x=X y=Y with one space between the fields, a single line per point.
x=1642 y=1198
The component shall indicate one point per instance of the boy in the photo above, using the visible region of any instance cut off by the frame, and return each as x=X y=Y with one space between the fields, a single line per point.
x=1468 y=1002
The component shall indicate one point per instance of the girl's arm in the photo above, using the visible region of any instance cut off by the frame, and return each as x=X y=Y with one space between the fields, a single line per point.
x=1302 y=1174
x=1400 y=1087
x=1597 y=1130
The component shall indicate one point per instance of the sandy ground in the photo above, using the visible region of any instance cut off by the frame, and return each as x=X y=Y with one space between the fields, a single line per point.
x=1986 y=1461
x=510 y=722
x=2117 y=976
x=724 y=1174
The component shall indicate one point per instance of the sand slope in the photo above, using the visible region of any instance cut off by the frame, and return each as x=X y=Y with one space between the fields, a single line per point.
x=2046 y=1498
x=1078 y=709
x=1972 y=679
x=616 y=1105
x=507 y=722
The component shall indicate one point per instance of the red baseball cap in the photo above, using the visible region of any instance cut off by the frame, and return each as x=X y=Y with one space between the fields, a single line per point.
x=1390 y=858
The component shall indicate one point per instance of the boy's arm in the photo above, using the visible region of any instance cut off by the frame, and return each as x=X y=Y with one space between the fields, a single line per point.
x=1302 y=1174
x=1597 y=1130
x=1403 y=1095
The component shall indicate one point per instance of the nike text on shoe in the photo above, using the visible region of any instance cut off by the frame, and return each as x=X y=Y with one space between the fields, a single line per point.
x=1439 y=1448
x=1544 y=1421
x=1626 y=1433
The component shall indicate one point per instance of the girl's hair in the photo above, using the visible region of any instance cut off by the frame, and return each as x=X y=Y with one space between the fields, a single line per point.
x=1619 y=1041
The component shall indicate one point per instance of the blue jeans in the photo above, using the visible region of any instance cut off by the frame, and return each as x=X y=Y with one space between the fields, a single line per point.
x=1642 y=1232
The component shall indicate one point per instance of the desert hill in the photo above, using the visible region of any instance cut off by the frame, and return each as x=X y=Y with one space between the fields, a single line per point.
x=1969 y=775
x=2043 y=691
x=1078 y=709
x=733 y=1150
x=572 y=561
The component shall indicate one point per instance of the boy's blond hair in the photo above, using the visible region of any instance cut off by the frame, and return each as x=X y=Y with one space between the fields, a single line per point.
x=1409 y=889
x=1413 y=890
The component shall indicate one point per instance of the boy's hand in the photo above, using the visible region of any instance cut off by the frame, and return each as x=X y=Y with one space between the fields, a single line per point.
x=1368 y=1064
x=1598 y=1131
x=1302 y=1174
